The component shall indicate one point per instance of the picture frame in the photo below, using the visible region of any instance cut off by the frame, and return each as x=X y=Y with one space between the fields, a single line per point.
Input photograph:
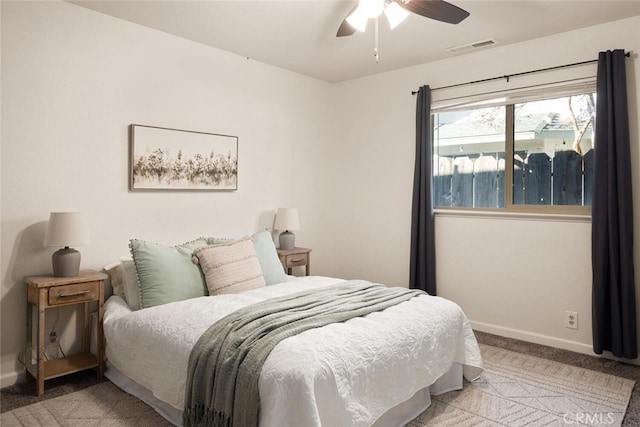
x=169 y=159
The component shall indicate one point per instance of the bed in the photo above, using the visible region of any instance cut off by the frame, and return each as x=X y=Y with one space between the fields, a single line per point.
x=379 y=369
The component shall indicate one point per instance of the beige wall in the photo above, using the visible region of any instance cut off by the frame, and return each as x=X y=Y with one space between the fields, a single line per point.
x=72 y=82
x=514 y=276
x=73 y=79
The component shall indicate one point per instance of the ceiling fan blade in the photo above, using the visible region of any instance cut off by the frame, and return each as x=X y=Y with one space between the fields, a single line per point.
x=435 y=9
x=345 y=28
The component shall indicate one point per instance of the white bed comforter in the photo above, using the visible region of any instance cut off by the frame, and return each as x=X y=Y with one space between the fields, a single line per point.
x=345 y=374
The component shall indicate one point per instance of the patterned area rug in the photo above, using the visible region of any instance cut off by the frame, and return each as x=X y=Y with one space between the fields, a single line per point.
x=520 y=390
x=101 y=405
x=515 y=390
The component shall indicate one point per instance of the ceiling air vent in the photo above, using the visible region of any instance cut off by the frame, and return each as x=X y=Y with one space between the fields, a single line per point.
x=471 y=46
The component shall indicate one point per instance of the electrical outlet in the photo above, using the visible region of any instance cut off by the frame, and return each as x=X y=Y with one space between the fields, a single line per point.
x=50 y=337
x=571 y=319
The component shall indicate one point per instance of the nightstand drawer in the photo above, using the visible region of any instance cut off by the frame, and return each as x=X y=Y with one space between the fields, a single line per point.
x=296 y=257
x=79 y=292
x=296 y=260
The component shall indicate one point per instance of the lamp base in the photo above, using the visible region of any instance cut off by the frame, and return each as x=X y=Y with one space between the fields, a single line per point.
x=287 y=240
x=66 y=262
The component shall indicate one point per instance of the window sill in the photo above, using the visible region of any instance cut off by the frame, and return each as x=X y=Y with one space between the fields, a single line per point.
x=500 y=214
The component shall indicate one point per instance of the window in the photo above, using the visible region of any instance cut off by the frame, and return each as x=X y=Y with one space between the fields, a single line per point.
x=539 y=149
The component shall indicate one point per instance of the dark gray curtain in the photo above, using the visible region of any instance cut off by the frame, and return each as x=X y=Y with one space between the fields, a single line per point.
x=423 y=257
x=613 y=304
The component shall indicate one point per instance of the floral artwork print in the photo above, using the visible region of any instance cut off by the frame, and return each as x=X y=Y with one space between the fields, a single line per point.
x=170 y=159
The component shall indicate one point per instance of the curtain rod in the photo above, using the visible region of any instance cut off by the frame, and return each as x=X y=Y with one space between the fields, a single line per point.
x=508 y=76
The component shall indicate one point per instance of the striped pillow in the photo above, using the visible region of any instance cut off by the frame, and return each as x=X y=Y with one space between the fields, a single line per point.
x=230 y=268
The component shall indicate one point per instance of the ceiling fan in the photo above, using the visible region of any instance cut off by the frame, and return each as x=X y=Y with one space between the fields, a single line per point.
x=396 y=11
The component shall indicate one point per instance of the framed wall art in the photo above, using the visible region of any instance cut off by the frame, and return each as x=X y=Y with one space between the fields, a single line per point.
x=173 y=159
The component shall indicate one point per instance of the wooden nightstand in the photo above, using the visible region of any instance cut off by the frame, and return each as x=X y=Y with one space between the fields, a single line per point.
x=296 y=257
x=47 y=292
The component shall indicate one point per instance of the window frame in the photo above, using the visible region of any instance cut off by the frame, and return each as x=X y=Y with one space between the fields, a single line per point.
x=556 y=91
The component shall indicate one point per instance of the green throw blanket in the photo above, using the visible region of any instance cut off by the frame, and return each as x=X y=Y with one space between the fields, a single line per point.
x=226 y=361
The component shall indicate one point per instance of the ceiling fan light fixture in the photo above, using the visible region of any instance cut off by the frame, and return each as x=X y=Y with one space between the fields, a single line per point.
x=366 y=9
x=395 y=14
x=358 y=20
x=396 y=11
x=371 y=8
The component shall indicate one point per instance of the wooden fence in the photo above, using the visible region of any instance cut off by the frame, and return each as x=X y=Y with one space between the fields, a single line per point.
x=464 y=181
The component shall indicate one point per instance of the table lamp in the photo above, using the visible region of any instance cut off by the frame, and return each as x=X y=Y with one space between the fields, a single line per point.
x=66 y=229
x=287 y=219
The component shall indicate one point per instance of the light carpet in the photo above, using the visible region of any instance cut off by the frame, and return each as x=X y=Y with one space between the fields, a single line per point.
x=514 y=390
x=520 y=390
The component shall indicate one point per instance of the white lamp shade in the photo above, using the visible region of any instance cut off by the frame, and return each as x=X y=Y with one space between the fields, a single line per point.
x=67 y=229
x=287 y=219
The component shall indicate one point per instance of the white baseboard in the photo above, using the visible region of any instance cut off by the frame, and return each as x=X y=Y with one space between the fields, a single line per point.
x=12 y=378
x=533 y=337
x=578 y=347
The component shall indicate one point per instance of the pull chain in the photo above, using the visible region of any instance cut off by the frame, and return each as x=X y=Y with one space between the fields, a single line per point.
x=375 y=48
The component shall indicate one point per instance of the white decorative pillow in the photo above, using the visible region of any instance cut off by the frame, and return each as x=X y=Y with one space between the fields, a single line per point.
x=130 y=282
x=230 y=268
x=114 y=271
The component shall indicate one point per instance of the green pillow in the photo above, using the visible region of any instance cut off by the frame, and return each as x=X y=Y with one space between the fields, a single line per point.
x=267 y=255
x=166 y=273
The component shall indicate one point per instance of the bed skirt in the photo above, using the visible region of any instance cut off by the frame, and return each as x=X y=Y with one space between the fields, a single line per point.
x=399 y=415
